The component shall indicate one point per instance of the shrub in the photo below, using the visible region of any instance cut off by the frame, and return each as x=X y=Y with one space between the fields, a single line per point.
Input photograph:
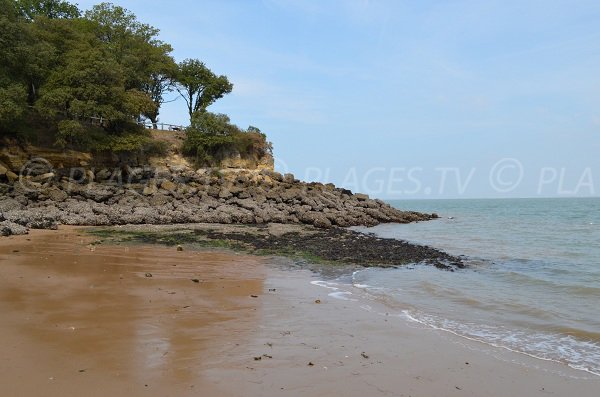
x=212 y=136
x=70 y=133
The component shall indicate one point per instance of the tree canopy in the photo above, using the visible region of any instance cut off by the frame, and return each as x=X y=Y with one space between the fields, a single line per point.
x=53 y=9
x=62 y=68
x=199 y=86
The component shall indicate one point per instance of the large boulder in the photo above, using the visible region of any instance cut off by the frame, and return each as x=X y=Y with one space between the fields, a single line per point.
x=8 y=228
x=315 y=218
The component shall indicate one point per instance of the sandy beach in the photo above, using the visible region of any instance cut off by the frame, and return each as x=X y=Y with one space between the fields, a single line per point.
x=142 y=320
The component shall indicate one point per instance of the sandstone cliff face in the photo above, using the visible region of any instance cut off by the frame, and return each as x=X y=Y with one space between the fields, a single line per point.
x=14 y=157
x=234 y=160
x=17 y=159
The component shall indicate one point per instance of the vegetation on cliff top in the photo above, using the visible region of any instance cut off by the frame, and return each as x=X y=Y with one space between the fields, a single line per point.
x=212 y=137
x=85 y=80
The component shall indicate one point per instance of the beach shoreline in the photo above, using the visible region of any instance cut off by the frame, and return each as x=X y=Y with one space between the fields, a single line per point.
x=81 y=318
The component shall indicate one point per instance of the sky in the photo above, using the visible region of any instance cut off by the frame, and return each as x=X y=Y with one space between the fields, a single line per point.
x=406 y=99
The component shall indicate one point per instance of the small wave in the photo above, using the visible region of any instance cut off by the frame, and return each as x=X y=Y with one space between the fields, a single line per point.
x=566 y=349
x=342 y=295
x=325 y=284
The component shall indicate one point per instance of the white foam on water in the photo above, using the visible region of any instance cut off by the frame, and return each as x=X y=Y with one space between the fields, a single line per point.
x=342 y=295
x=325 y=284
x=561 y=348
x=338 y=293
x=577 y=354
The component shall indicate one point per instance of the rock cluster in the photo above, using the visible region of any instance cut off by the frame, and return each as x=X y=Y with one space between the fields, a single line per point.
x=169 y=195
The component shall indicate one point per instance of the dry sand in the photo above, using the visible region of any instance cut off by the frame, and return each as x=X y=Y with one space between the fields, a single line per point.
x=79 y=320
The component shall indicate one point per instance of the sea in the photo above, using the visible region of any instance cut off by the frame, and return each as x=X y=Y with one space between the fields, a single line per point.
x=532 y=284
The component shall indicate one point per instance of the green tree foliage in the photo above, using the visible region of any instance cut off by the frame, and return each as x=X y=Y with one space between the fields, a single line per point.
x=85 y=80
x=211 y=137
x=134 y=45
x=13 y=102
x=199 y=86
x=90 y=83
x=13 y=91
x=53 y=9
x=66 y=69
x=161 y=82
x=146 y=60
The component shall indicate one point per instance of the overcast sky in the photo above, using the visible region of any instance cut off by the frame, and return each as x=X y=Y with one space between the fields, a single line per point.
x=406 y=99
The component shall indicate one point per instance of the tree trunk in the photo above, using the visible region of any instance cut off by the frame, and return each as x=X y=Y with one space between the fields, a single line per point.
x=154 y=120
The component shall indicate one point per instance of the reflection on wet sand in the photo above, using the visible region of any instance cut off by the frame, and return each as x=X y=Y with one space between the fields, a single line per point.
x=145 y=316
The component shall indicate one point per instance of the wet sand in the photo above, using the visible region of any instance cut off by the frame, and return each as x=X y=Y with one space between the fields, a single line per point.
x=130 y=321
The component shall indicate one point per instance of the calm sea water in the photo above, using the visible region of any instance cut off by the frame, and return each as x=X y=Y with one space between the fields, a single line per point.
x=534 y=281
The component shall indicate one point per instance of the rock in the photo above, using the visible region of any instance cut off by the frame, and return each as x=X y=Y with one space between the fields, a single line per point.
x=89 y=174
x=12 y=177
x=150 y=189
x=361 y=197
x=159 y=200
x=55 y=194
x=315 y=218
x=236 y=190
x=43 y=177
x=8 y=228
x=177 y=168
x=96 y=192
x=289 y=178
x=168 y=185
x=45 y=223
x=275 y=176
x=9 y=204
x=225 y=194
x=103 y=174
x=162 y=172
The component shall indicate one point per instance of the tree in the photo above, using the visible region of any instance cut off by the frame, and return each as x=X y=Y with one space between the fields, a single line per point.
x=213 y=124
x=199 y=86
x=14 y=41
x=145 y=60
x=13 y=103
x=91 y=84
x=160 y=82
x=52 y=9
x=134 y=45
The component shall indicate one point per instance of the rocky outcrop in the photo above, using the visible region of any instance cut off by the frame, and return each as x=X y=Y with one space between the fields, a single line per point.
x=44 y=198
